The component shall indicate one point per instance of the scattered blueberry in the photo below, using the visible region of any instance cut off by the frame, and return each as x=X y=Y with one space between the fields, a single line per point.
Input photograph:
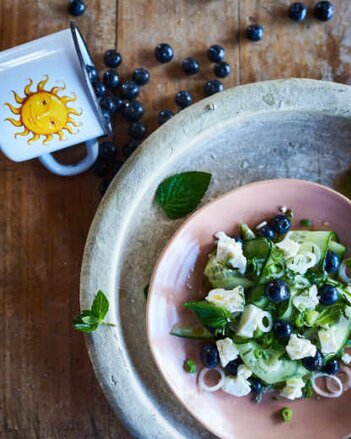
x=232 y=367
x=163 y=53
x=282 y=329
x=222 y=69
x=108 y=103
x=92 y=73
x=141 y=76
x=332 y=262
x=137 y=130
x=313 y=363
x=277 y=291
x=100 y=89
x=281 y=224
x=112 y=58
x=133 y=110
x=111 y=78
x=328 y=294
x=107 y=150
x=107 y=116
x=104 y=185
x=213 y=86
x=266 y=232
x=324 y=11
x=129 y=90
x=164 y=116
x=256 y=385
x=298 y=11
x=216 y=53
x=118 y=103
x=255 y=32
x=332 y=367
x=130 y=147
x=76 y=8
x=191 y=66
x=209 y=355
x=183 y=99
x=101 y=167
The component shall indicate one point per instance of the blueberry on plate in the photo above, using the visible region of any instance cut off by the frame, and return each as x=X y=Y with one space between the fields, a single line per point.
x=92 y=73
x=129 y=90
x=137 y=130
x=213 y=86
x=232 y=367
x=130 y=147
x=133 y=110
x=282 y=329
x=183 y=99
x=277 y=291
x=222 y=69
x=266 y=232
x=163 y=53
x=313 y=363
x=298 y=11
x=164 y=116
x=255 y=32
x=324 y=11
x=256 y=385
x=108 y=103
x=332 y=262
x=107 y=116
x=112 y=58
x=328 y=294
x=209 y=355
x=76 y=8
x=191 y=66
x=216 y=53
x=100 y=89
x=111 y=78
x=141 y=76
x=107 y=150
x=281 y=224
x=332 y=367
x=118 y=103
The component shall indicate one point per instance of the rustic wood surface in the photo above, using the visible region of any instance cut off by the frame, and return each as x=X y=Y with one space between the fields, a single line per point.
x=47 y=385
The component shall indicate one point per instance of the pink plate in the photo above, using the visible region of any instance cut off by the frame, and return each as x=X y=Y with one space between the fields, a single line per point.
x=178 y=278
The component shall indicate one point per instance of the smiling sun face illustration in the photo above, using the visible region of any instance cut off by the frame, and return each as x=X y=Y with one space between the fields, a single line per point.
x=43 y=113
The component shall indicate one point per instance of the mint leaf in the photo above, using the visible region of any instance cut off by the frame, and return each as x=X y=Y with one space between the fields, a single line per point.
x=330 y=315
x=180 y=194
x=90 y=320
x=209 y=315
x=100 y=305
x=85 y=327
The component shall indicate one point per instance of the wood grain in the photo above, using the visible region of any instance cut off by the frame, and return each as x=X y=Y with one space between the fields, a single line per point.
x=47 y=386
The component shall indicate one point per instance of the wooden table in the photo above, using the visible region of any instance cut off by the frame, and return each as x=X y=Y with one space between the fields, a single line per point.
x=47 y=385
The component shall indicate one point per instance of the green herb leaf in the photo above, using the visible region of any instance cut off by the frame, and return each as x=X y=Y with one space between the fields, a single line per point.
x=308 y=389
x=85 y=327
x=306 y=223
x=286 y=414
x=330 y=315
x=91 y=320
x=100 y=305
x=209 y=315
x=190 y=366
x=180 y=194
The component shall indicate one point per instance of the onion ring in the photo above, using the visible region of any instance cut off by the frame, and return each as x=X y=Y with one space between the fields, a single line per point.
x=342 y=272
x=202 y=376
x=321 y=392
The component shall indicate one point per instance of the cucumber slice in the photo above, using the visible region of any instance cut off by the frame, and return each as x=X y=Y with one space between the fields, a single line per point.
x=197 y=332
x=257 y=248
x=338 y=249
x=221 y=276
x=342 y=331
x=263 y=370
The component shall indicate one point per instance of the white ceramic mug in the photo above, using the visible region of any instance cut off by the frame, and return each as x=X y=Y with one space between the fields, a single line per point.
x=47 y=102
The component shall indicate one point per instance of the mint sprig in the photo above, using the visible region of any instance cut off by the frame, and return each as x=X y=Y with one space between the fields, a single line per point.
x=180 y=194
x=208 y=314
x=90 y=319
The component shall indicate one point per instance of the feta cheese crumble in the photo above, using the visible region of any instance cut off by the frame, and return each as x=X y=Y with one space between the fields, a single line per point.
x=346 y=358
x=299 y=348
x=227 y=351
x=253 y=318
x=239 y=385
x=328 y=340
x=289 y=247
x=232 y=300
x=293 y=388
x=308 y=299
x=230 y=251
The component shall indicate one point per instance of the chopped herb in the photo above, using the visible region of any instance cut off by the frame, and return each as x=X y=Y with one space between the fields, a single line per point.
x=276 y=398
x=306 y=223
x=347 y=344
x=209 y=315
x=308 y=389
x=246 y=232
x=330 y=315
x=190 y=366
x=286 y=414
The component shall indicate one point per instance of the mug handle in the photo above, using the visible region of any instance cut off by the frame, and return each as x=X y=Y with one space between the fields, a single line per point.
x=50 y=163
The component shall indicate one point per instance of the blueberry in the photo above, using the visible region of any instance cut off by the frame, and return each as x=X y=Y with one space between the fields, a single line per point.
x=328 y=294
x=107 y=150
x=129 y=90
x=104 y=185
x=112 y=58
x=332 y=367
x=101 y=167
x=213 y=86
x=191 y=66
x=164 y=116
x=163 y=53
x=141 y=76
x=137 y=130
x=266 y=232
x=255 y=32
x=298 y=11
x=92 y=73
x=232 y=367
x=256 y=385
x=133 y=110
x=222 y=69
x=216 y=53
x=277 y=291
x=108 y=103
x=282 y=329
x=111 y=78
x=281 y=224
x=130 y=147
x=76 y=8
x=209 y=355
x=107 y=116
x=183 y=99
x=332 y=262
x=118 y=103
x=100 y=89
x=324 y=11
x=313 y=363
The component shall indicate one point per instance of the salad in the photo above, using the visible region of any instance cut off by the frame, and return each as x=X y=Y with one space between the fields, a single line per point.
x=278 y=315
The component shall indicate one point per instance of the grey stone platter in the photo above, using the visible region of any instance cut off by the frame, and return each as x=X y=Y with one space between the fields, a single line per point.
x=296 y=128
